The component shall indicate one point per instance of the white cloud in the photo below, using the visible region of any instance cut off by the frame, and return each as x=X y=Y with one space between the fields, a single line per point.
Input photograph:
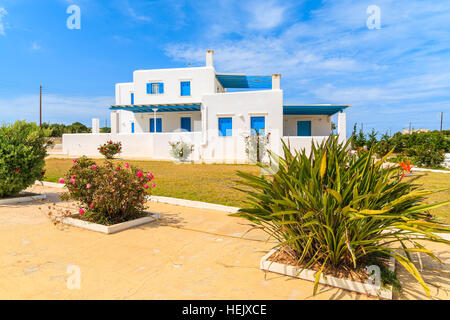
x=35 y=46
x=3 y=13
x=265 y=14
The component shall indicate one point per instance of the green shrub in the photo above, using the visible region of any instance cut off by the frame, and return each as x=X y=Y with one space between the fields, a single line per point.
x=108 y=193
x=22 y=153
x=338 y=210
x=110 y=149
x=426 y=156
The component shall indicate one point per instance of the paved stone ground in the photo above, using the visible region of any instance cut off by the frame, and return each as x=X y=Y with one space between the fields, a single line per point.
x=188 y=254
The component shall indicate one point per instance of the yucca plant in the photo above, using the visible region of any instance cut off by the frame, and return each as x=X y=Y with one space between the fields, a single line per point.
x=339 y=211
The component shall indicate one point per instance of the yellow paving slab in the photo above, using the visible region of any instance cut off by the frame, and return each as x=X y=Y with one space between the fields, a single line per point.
x=188 y=254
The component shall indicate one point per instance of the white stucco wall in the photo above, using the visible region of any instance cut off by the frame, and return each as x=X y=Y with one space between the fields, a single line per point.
x=240 y=106
x=140 y=145
x=202 y=82
x=320 y=124
x=123 y=92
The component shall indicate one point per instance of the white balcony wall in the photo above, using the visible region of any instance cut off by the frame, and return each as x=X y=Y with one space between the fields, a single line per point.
x=300 y=143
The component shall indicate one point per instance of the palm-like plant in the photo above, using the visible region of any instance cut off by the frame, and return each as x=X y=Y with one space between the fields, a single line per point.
x=339 y=210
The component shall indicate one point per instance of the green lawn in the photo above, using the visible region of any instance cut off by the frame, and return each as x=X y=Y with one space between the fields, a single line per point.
x=213 y=182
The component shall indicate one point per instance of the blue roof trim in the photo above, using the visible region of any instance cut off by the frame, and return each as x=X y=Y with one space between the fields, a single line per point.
x=242 y=81
x=313 y=110
x=161 y=107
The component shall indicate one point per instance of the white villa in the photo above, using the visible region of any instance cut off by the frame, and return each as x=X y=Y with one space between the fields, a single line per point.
x=193 y=104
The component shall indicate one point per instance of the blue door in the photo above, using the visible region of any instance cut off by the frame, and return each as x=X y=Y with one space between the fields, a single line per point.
x=186 y=124
x=258 y=124
x=132 y=127
x=304 y=128
x=158 y=125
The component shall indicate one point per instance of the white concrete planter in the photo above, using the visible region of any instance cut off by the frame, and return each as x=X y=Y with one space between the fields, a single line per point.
x=192 y=204
x=25 y=198
x=113 y=228
x=307 y=274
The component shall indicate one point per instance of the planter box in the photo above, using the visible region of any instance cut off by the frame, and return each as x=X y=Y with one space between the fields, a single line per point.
x=112 y=228
x=26 y=196
x=307 y=274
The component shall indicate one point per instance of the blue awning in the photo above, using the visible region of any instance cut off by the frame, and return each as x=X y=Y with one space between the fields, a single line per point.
x=173 y=107
x=242 y=81
x=313 y=109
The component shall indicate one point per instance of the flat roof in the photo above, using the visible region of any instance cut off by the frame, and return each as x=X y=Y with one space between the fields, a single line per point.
x=319 y=109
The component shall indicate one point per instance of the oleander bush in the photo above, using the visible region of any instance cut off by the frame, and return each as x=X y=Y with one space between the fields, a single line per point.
x=107 y=193
x=22 y=153
x=110 y=149
x=341 y=211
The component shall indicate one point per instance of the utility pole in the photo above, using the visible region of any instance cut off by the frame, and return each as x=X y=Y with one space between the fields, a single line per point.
x=40 y=106
x=410 y=128
x=442 y=116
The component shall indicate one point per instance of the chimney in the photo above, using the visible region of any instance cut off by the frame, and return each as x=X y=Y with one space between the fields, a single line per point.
x=210 y=58
x=276 y=81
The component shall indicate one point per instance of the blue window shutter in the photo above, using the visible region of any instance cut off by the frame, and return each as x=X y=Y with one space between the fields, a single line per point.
x=132 y=127
x=152 y=128
x=258 y=124
x=132 y=98
x=149 y=88
x=225 y=127
x=185 y=88
x=158 y=125
x=161 y=87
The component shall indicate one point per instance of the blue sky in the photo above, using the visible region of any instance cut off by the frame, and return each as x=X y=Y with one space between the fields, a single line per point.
x=323 y=49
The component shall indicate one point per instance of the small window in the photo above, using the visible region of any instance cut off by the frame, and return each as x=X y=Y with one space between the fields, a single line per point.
x=132 y=98
x=155 y=88
x=185 y=87
x=258 y=125
x=225 y=127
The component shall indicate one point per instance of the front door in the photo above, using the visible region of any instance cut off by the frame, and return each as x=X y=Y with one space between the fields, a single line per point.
x=158 y=125
x=186 y=124
x=304 y=128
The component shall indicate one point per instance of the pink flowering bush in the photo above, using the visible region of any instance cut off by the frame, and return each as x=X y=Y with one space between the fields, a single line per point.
x=107 y=193
x=110 y=149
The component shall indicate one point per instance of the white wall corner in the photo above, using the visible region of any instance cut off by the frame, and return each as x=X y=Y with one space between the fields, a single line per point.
x=114 y=122
x=342 y=127
x=95 y=126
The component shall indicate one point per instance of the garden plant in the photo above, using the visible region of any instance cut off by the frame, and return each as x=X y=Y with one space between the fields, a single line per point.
x=339 y=211
x=181 y=150
x=107 y=193
x=22 y=154
x=110 y=149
